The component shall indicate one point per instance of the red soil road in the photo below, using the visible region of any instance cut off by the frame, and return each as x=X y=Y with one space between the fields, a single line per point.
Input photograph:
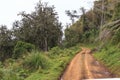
x=84 y=66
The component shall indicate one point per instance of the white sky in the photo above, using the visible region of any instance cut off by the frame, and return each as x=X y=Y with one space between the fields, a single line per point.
x=10 y=8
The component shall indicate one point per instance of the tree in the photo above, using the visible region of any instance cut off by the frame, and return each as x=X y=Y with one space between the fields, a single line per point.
x=6 y=43
x=84 y=20
x=72 y=15
x=116 y=15
x=71 y=37
x=40 y=28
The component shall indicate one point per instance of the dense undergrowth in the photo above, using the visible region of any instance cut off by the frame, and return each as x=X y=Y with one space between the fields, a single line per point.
x=38 y=65
x=19 y=63
x=109 y=55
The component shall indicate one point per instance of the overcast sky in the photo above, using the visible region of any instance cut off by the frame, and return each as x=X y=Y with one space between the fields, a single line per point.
x=10 y=8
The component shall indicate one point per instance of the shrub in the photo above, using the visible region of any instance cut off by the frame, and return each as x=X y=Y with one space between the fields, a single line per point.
x=110 y=58
x=36 y=60
x=21 y=48
x=55 y=50
x=1 y=74
x=9 y=74
x=117 y=11
x=116 y=37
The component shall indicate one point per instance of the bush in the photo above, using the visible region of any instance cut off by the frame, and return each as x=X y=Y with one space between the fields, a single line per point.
x=36 y=60
x=117 y=11
x=116 y=37
x=110 y=58
x=55 y=50
x=21 y=48
x=1 y=74
x=9 y=74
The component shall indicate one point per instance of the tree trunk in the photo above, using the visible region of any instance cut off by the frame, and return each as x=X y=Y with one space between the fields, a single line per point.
x=46 y=44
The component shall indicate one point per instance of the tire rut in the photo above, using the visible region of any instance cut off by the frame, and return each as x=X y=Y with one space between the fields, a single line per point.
x=84 y=66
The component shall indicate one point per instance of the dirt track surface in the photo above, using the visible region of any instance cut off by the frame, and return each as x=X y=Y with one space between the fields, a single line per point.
x=84 y=66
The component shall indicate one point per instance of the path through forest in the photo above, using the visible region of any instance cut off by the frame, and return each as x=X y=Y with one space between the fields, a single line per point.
x=84 y=66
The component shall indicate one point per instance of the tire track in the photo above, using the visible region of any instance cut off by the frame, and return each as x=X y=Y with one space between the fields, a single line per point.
x=84 y=66
x=73 y=70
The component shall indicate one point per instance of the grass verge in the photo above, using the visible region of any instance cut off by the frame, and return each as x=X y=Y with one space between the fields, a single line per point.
x=110 y=57
x=58 y=59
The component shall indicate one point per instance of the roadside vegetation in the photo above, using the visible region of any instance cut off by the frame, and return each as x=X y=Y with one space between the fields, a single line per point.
x=38 y=65
x=98 y=29
x=110 y=57
x=35 y=50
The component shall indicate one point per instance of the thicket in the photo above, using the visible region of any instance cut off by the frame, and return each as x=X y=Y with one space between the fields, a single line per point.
x=6 y=43
x=98 y=25
x=116 y=14
x=57 y=60
x=38 y=65
x=40 y=28
x=22 y=48
x=109 y=56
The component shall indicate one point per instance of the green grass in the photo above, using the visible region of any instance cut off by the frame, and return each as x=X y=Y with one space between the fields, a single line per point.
x=59 y=58
x=110 y=56
x=38 y=65
x=50 y=65
x=36 y=60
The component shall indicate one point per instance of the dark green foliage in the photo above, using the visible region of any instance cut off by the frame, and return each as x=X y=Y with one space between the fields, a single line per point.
x=102 y=24
x=81 y=31
x=40 y=28
x=6 y=43
x=72 y=15
x=116 y=15
x=22 y=48
x=71 y=37
x=116 y=37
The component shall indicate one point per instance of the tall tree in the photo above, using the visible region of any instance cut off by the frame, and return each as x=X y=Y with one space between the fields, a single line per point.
x=41 y=27
x=6 y=43
x=72 y=14
x=84 y=20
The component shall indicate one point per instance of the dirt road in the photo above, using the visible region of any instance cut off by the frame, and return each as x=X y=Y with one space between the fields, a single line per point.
x=84 y=66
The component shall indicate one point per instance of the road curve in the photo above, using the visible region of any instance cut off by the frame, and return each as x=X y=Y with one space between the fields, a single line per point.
x=84 y=66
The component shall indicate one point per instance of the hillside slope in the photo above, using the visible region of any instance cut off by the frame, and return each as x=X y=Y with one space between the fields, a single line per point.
x=99 y=26
x=84 y=66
